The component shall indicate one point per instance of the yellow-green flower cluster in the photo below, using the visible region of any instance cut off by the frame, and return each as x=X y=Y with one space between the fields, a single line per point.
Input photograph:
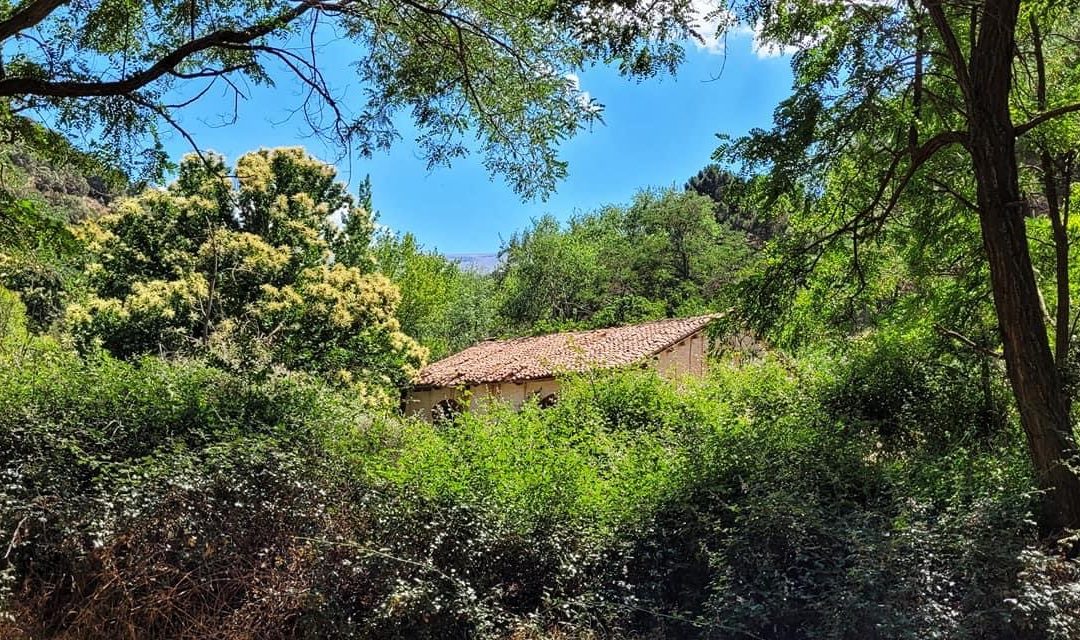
x=240 y=264
x=242 y=255
x=173 y=300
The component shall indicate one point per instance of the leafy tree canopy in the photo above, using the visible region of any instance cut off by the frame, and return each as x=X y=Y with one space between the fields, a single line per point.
x=444 y=307
x=732 y=197
x=935 y=116
x=664 y=254
x=496 y=71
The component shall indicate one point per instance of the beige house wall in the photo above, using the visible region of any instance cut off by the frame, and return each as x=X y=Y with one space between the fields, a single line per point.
x=421 y=402
x=684 y=358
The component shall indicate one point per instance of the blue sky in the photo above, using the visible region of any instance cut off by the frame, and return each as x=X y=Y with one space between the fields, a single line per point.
x=655 y=133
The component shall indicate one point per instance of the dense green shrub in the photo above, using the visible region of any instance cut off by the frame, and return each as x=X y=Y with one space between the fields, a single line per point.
x=247 y=540
x=910 y=392
x=67 y=424
x=42 y=283
x=607 y=453
x=748 y=505
x=171 y=499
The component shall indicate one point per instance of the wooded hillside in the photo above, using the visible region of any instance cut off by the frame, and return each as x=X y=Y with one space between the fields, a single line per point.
x=202 y=358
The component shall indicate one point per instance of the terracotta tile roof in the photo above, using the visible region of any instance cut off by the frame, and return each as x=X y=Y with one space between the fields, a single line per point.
x=544 y=356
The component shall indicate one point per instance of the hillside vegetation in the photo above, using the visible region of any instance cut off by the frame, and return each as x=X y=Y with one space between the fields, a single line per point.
x=202 y=358
x=173 y=499
x=198 y=413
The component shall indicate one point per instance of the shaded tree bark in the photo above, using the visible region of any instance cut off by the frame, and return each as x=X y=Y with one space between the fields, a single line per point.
x=1035 y=381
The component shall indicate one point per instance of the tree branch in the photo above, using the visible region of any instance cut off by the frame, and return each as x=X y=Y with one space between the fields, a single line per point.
x=457 y=20
x=968 y=342
x=163 y=112
x=1044 y=117
x=19 y=86
x=941 y=184
x=207 y=73
x=952 y=46
x=28 y=16
x=919 y=156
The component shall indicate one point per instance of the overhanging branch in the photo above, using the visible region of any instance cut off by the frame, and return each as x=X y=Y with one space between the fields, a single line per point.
x=880 y=207
x=27 y=17
x=21 y=86
x=1045 y=117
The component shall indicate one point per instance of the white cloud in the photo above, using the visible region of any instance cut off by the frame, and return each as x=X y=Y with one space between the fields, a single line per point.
x=711 y=21
x=584 y=98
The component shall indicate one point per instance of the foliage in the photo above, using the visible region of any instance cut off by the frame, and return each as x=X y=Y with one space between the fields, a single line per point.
x=578 y=462
x=170 y=498
x=45 y=184
x=548 y=276
x=665 y=254
x=444 y=307
x=900 y=117
x=732 y=202
x=243 y=269
x=42 y=276
x=175 y=499
x=493 y=71
x=741 y=506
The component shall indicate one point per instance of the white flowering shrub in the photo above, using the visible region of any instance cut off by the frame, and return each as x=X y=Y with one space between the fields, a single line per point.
x=245 y=264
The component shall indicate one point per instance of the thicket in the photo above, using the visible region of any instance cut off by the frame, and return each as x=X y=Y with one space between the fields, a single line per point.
x=172 y=499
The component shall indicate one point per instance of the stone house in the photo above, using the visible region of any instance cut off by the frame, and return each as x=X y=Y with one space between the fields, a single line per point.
x=518 y=369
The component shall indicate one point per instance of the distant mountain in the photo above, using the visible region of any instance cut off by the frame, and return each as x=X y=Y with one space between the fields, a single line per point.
x=478 y=262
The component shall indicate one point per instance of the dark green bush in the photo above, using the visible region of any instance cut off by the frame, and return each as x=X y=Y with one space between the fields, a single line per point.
x=746 y=506
x=170 y=499
x=248 y=541
x=910 y=393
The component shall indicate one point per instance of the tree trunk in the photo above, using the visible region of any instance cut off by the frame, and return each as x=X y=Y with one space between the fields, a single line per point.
x=1030 y=365
x=1058 y=224
x=1035 y=382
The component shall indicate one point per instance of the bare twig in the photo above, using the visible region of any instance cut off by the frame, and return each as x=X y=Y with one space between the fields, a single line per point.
x=968 y=342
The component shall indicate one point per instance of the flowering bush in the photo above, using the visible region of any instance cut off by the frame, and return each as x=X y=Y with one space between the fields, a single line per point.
x=250 y=270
